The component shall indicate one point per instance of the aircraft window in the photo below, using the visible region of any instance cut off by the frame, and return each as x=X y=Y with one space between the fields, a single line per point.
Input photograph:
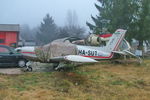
x=123 y=45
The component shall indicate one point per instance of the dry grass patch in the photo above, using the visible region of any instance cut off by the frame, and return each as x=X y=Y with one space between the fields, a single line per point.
x=103 y=81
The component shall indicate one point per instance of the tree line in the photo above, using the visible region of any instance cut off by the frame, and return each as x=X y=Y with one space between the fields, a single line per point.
x=132 y=15
x=49 y=31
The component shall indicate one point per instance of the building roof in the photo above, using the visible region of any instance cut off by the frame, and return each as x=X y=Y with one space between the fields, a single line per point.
x=9 y=27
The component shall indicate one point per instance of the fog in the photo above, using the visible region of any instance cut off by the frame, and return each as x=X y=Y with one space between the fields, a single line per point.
x=31 y=12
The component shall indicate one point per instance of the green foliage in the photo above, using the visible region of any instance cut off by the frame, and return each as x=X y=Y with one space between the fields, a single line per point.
x=63 y=85
x=88 y=82
x=47 y=30
x=132 y=15
x=143 y=23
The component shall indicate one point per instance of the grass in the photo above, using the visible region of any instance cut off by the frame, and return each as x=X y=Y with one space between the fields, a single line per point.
x=102 y=81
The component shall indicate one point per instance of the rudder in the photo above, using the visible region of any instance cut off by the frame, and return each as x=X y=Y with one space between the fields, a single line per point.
x=115 y=40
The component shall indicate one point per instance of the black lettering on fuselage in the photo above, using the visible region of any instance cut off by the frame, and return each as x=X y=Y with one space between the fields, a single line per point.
x=81 y=52
x=88 y=53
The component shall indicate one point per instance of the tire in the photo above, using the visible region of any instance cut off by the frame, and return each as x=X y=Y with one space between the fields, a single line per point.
x=29 y=69
x=22 y=63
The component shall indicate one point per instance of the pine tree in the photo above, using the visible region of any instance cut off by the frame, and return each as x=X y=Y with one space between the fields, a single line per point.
x=72 y=28
x=132 y=15
x=47 y=30
x=143 y=23
x=119 y=13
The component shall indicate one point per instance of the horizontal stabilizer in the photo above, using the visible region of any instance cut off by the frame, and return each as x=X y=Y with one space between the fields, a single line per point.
x=76 y=58
x=126 y=52
x=119 y=52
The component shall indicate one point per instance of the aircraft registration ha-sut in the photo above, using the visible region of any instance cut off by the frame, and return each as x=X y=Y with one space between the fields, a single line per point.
x=65 y=50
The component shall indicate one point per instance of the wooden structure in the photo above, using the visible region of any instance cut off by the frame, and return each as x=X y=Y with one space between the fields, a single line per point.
x=9 y=34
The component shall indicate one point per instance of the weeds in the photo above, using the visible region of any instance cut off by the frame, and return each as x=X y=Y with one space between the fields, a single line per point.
x=87 y=82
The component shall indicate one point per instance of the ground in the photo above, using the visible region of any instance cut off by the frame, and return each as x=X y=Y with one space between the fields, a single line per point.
x=100 y=81
x=10 y=71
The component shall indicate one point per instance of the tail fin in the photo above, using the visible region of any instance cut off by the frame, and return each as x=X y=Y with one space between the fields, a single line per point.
x=115 y=40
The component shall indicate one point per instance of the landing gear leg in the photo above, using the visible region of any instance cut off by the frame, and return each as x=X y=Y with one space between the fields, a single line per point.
x=28 y=67
x=59 y=66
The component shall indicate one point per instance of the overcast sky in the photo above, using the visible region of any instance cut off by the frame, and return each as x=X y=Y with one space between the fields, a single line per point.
x=31 y=12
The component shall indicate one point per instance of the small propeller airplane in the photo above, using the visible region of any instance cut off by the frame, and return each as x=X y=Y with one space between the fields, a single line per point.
x=116 y=45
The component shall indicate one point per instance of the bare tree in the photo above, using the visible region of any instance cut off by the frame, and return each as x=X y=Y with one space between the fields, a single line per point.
x=72 y=28
x=71 y=19
x=25 y=32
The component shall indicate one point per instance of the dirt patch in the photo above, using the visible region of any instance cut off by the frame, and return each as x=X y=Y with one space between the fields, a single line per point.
x=10 y=71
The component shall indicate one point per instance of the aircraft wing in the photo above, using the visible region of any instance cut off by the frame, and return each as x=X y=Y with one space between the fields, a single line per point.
x=130 y=53
x=124 y=52
x=74 y=58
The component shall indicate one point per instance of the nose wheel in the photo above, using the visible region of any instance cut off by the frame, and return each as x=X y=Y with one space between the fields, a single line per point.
x=28 y=67
x=25 y=65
